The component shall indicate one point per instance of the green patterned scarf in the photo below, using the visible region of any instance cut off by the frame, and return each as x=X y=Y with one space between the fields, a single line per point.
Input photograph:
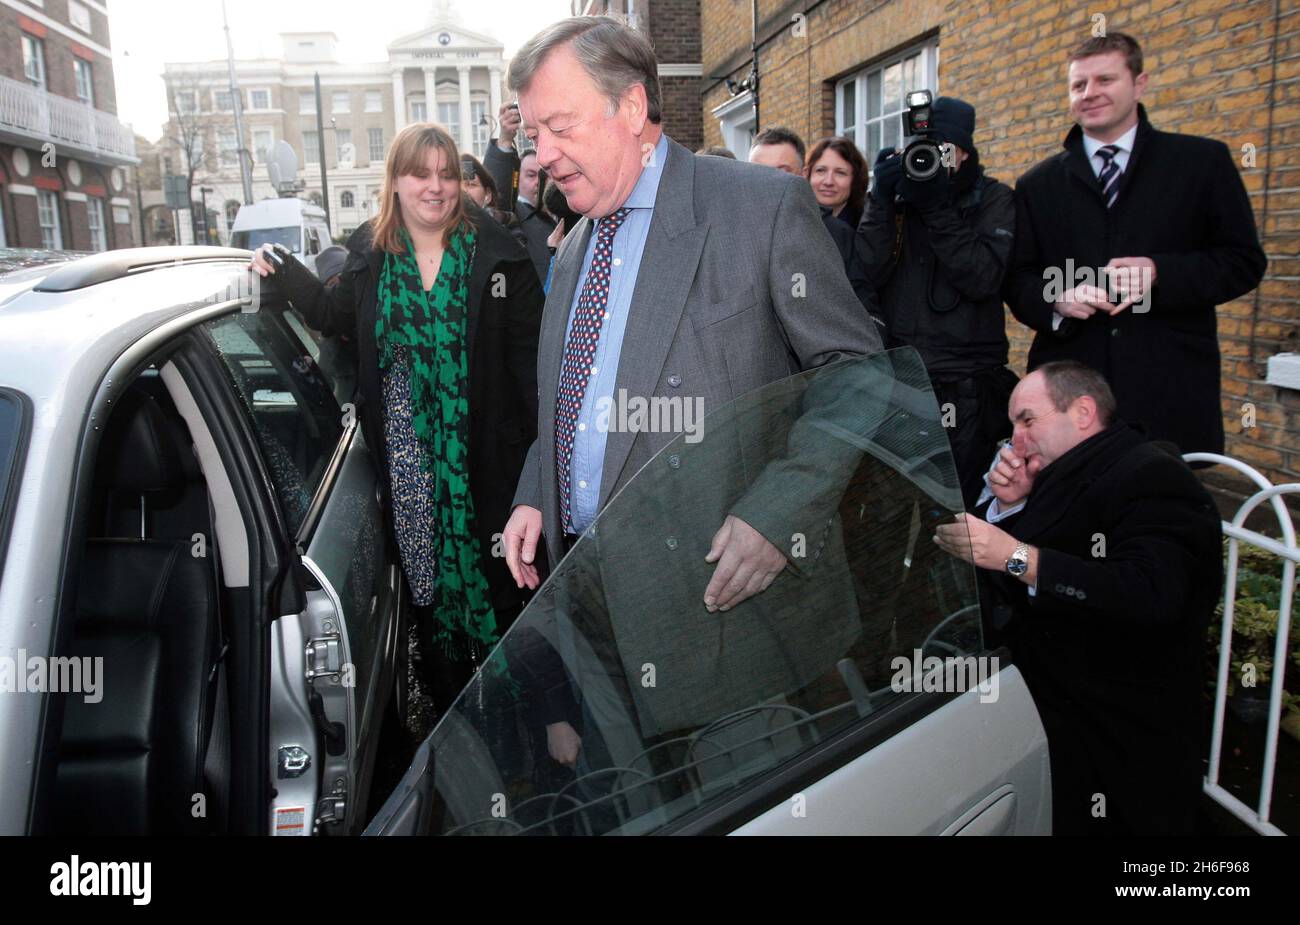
x=431 y=325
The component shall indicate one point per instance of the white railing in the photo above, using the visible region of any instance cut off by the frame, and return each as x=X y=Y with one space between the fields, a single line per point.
x=1289 y=552
x=41 y=116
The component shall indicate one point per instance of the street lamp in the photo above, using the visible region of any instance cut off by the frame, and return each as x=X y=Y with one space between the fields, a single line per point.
x=203 y=195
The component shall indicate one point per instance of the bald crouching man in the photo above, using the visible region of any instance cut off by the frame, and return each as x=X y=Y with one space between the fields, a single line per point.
x=1102 y=554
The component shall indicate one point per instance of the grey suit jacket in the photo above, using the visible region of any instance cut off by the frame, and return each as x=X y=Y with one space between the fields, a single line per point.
x=740 y=284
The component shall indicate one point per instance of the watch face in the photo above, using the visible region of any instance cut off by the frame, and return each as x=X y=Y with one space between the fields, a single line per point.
x=1017 y=567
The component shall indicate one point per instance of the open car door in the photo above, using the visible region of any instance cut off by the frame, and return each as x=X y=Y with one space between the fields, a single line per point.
x=812 y=708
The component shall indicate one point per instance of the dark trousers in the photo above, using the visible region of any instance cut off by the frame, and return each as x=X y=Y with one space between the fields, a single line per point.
x=976 y=406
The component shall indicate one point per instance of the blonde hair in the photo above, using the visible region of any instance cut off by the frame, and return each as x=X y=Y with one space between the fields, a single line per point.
x=407 y=155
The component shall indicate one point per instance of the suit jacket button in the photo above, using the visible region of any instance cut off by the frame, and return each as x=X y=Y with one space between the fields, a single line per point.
x=1070 y=591
x=1114 y=332
x=671 y=542
x=675 y=380
x=1080 y=595
x=1060 y=589
x=675 y=461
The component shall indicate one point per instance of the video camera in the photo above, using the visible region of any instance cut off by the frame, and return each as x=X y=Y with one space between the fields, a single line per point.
x=924 y=157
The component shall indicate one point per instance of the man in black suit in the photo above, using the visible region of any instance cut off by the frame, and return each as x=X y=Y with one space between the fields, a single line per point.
x=1125 y=243
x=1102 y=562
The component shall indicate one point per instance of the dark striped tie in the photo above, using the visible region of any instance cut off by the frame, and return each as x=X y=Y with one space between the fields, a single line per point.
x=1110 y=173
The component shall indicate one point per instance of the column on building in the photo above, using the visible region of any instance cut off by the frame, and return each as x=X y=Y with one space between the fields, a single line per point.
x=494 y=89
x=466 y=118
x=430 y=94
x=399 y=101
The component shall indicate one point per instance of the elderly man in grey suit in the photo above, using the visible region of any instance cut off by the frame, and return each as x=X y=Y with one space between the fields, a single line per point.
x=699 y=277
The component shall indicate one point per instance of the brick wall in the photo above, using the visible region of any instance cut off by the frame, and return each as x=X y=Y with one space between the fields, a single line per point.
x=1214 y=68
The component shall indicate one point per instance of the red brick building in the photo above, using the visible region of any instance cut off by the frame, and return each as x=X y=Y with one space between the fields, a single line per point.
x=673 y=27
x=63 y=152
x=1227 y=71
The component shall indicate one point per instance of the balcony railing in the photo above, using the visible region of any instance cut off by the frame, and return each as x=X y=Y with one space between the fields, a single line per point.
x=40 y=116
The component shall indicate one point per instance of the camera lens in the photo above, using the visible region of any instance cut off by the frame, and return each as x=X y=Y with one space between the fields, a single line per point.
x=922 y=160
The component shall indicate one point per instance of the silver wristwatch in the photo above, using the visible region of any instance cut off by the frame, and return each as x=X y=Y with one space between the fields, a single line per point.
x=1018 y=564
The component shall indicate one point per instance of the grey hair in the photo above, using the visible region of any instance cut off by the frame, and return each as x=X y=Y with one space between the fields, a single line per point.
x=1068 y=380
x=615 y=56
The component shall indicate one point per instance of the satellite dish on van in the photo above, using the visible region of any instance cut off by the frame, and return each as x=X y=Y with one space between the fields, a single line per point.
x=282 y=167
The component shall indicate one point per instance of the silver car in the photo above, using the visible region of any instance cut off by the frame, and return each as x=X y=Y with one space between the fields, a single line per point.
x=248 y=614
x=193 y=557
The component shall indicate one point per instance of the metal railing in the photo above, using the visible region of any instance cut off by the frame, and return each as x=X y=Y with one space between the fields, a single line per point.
x=1286 y=549
x=37 y=114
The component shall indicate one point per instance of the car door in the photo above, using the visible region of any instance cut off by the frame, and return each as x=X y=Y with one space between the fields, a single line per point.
x=855 y=694
x=333 y=664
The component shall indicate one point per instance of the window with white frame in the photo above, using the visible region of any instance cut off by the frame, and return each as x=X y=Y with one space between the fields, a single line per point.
x=310 y=148
x=228 y=148
x=374 y=101
x=478 y=117
x=85 y=81
x=449 y=118
x=223 y=101
x=306 y=104
x=263 y=138
x=121 y=215
x=79 y=16
x=347 y=200
x=344 y=154
x=186 y=101
x=259 y=99
x=34 y=60
x=419 y=112
x=340 y=102
x=47 y=210
x=376 y=139
x=869 y=104
x=95 y=222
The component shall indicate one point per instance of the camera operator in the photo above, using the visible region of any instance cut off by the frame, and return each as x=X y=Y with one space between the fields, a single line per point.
x=935 y=239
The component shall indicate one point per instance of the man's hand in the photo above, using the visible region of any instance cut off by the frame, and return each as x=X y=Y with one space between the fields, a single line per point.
x=520 y=538
x=747 y=564
x=1012 y=478
x=563 y=743
x=976 y=541
x=510 y=120
x=1082 y=302
x=1131 y=278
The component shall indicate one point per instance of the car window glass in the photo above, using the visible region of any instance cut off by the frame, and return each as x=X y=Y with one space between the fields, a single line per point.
x=253 y=238
x=296 y=419
x=849 y=471
x=336 y=356
x=11 y=428
x=313 y=241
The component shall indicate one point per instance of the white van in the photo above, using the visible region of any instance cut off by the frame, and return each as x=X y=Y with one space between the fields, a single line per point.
x=296 y=223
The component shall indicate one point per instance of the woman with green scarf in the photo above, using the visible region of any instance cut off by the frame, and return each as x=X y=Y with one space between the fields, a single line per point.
x=444 y=306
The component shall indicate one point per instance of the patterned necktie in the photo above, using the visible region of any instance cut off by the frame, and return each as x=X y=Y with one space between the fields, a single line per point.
x=1110 y=173
x=579 y=352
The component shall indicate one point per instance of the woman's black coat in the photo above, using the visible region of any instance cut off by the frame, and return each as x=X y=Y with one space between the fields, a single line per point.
x=504 y=314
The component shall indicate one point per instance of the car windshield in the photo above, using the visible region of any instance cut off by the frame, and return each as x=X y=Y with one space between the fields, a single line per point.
x=253 y=238
x=659 y=709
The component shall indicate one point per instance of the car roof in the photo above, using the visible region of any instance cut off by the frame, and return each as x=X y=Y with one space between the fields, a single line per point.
x=63 y=324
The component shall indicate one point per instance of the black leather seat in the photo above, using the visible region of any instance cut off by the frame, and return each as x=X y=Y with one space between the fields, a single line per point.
x=132 y=762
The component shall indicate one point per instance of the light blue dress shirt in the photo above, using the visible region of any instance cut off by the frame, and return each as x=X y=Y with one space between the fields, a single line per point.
x=629 y=245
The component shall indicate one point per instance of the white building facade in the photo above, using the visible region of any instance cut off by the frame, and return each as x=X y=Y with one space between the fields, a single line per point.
x=443 y=73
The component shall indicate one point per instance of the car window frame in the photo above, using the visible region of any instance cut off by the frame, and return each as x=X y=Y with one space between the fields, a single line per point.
x=11 y=482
